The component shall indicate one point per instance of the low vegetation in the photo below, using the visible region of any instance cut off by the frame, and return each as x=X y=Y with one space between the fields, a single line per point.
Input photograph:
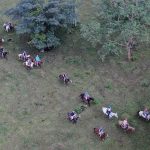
x=34 y=104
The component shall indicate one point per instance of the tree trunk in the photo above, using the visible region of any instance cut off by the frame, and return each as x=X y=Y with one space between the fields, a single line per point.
x=129 y=54
x=129 y=46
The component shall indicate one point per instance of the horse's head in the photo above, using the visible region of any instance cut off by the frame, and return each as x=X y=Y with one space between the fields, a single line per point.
x=2 y=40
x=4 y=25
x=116 y=115
x=91 y=98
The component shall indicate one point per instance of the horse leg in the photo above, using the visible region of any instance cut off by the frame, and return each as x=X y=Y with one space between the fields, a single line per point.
x=88 y=102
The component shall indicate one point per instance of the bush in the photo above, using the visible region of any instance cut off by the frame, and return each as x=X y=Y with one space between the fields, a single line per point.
x=145 y=83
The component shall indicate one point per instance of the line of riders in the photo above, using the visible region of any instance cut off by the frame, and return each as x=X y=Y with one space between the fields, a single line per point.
x=73 y=117
x=30 y=62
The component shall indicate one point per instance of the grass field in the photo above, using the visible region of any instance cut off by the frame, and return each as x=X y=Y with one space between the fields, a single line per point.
x=34 y=104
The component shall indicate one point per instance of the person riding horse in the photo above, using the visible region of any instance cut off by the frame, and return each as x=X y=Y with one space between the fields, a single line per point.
x=146 y=113
x=29 y=63
x=1 y=50
x=8 y=26
x=101 y=131
x=109 y=110
x=64 y=77
x=125 y=124
x=86 y=97
x=73 y=116
x=3 y=54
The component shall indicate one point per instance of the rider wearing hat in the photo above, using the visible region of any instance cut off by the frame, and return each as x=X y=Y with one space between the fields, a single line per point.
x=86 y=95
x=146 y=112
x=101 y=131
x=109 y=110
x=125 y=124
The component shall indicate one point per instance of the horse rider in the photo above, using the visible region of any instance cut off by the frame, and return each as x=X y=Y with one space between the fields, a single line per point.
x=65 y=76
x=109 y=110
x=73 y=115
x=1 y=49
x=146 y=113
x=29 y=61
x=101 y=132
x=37 y=60
x=125 y=124
x=86 y=95
x=24 y=54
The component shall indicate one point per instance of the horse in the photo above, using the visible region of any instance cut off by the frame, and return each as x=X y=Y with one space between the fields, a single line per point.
x=8 y=27
x=65 y=79
x=104 y=109
x=4 y=54
x=129 y=129
x=22 y=57
x=28 y=65
x=88 y=100
x=2 y=40
x=141 y=115
x=73 y=117
x=103 y=136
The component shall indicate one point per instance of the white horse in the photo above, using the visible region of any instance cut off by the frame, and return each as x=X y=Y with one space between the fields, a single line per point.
x=104 y=109
x=2 y=40
x=22 y=57
x=141 y=114
x=6 y=27
x=28 y=65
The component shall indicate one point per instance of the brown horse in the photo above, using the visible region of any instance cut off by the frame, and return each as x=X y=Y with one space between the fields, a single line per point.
x=129 y=129
x=103 y=136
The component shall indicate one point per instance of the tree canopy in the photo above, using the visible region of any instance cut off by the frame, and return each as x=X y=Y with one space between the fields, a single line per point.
x=44 y=20
x=118 y=25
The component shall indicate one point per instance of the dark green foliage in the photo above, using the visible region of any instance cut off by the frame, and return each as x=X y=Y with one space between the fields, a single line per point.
x=145 y=83
x=96 y=101
x=43 y=21
x=80 y=109
x=118 y=25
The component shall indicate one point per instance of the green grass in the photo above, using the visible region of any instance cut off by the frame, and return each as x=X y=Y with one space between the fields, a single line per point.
x=34 y=104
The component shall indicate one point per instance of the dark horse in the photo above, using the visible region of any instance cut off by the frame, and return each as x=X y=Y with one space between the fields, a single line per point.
x=72 y=118
x=103 y=136
x=64 y=78
x=88 y=100
x=4 y=55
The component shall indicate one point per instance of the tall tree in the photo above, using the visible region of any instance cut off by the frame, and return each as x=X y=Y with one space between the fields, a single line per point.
x=44 y=20
x=118 y=25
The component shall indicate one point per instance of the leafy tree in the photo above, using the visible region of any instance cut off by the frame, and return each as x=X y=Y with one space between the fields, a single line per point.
x=44 y=20
x=118 y=25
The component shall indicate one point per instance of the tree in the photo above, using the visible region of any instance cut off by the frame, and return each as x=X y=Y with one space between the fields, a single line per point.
x=118 y=25
x=43 y=21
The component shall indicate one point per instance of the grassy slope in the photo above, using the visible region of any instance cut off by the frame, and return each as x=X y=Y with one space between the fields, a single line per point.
x=34 y=104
